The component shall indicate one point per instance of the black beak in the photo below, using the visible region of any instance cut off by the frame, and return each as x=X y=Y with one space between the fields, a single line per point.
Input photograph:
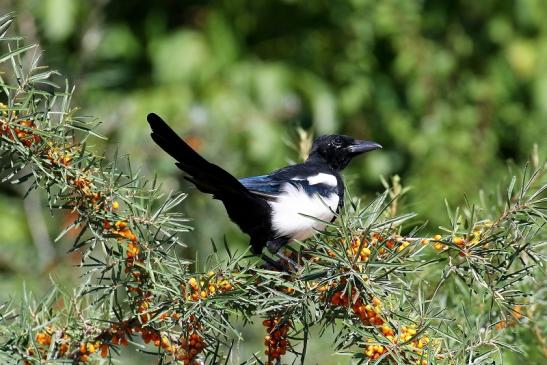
x=358 y=147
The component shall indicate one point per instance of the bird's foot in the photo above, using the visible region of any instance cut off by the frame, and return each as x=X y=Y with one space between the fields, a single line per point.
x=290 y=262
x=271 y=264
x=275 y=245
x=285 y=261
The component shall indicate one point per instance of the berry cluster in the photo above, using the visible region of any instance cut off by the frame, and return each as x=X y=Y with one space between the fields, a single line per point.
x=85 y=194
x=466 y=242
x=516 y=312
x=406 y=334
x=190 y=347
x=123 y=233
x=368 y=312
x=184 y=349
x=59 y=156
x=24 y=131
x=361 y=248
x=208 y=286
x=87 y=349
x=439 y=246
x=63 y=346
x=374 y=351
x=461 y=242
x=276 y=341
x=358 y=248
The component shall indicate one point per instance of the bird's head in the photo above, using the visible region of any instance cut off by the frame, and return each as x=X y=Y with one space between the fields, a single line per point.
x=337 y=150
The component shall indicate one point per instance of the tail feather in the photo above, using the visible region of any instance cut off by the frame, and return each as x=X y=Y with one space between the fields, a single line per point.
x=207 y=177
x=171 y=143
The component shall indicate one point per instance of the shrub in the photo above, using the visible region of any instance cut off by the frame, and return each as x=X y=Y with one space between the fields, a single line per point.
x=390 y=294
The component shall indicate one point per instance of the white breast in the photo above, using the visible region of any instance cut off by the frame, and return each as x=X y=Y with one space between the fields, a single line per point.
x=292 y=211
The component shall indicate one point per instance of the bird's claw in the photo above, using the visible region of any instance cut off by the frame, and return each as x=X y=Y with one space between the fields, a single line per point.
x=290 y=262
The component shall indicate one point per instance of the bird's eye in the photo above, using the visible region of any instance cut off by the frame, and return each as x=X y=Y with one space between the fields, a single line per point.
x=337 y=143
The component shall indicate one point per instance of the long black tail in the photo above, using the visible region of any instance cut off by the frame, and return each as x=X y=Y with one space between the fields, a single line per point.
x=207 y=177
x=248 y=211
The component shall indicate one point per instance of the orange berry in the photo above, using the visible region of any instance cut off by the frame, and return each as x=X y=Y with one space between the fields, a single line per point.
x=104 y=350
x=517 y=313
x=132 y=250
x=43 y=338
x=193 y=282
x=501 y=325
x=120 y=224
x=131 y=236
x=459 y=241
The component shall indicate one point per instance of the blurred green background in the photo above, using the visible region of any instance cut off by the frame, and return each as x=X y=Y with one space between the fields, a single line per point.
x=451 y=89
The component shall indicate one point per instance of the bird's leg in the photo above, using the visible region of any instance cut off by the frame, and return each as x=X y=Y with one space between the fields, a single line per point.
x=292 y=263
x=272 y=263
x=292 y=249
x=274 y=247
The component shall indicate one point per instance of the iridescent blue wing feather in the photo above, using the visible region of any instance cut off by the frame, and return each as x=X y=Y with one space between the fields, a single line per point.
x=263 y=185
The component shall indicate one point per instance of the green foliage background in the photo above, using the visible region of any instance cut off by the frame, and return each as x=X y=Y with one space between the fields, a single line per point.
x=453 y=90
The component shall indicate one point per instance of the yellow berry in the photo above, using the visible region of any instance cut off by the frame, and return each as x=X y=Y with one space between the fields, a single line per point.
x=459 y=241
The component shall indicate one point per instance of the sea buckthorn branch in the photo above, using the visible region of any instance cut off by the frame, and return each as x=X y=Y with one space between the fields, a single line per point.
x=350 y=298
x=354 y=266
x=43 y=142
x=388 y=293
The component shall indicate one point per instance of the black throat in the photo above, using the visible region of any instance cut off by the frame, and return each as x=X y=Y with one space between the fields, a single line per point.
x=335 y=162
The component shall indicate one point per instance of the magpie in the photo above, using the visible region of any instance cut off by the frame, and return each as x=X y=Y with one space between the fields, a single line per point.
x=291 y=203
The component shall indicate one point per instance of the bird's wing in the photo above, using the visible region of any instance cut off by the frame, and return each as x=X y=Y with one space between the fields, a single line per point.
x=271 y=186
x=265 y=186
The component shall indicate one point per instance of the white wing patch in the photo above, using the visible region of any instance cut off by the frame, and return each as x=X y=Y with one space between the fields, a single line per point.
x=292 y=210
x=323 y=178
